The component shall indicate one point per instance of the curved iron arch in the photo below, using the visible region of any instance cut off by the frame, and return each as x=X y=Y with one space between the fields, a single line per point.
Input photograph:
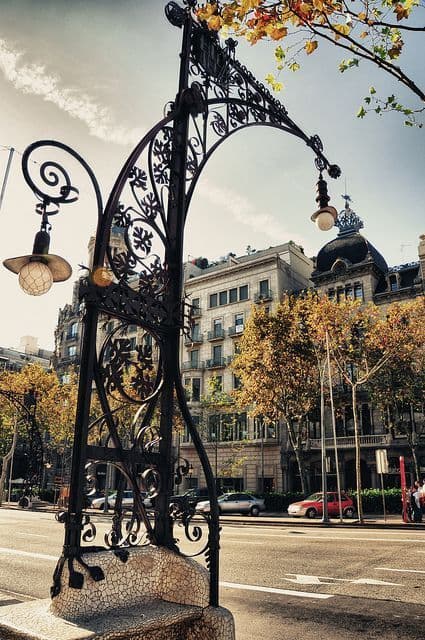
x=142 y=285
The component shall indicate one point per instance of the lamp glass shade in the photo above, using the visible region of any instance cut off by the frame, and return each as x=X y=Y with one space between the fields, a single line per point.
x=325 y=221
x=35 y=278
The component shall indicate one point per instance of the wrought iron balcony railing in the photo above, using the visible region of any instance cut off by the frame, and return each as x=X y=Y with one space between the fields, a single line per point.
x=214 y=363
x=186 y=366
x=198 y=338
x=235 y=330
x=263 y=296
x=217 y=334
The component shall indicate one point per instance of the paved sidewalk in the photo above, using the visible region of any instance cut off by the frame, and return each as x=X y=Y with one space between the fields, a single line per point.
x=375 y=521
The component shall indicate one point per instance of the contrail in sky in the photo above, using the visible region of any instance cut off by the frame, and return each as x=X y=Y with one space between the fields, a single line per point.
x=36 y=80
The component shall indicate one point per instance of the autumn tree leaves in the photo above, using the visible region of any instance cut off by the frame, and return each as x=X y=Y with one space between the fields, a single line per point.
x=372 y=31
x=281 y=358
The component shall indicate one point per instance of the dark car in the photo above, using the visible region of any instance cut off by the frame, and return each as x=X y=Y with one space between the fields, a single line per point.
x=189 y=499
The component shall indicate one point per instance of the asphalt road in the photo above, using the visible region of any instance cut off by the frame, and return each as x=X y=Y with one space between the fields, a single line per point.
x=297 y=583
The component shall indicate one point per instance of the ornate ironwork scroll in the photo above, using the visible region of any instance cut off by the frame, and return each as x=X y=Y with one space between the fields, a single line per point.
x=136 y=280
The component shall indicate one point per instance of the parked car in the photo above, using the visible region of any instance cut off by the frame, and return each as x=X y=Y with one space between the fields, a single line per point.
x=190 y=498
x=127 y=500
x=312 y=506
x=234 y=503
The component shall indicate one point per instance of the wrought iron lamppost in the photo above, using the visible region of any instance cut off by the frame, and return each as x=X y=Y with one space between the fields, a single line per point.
x=143 y=285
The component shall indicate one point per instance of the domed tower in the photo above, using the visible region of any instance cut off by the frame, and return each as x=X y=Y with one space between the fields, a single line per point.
x=349 y=265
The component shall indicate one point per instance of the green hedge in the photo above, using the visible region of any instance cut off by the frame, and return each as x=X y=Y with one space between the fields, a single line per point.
x=371 y=499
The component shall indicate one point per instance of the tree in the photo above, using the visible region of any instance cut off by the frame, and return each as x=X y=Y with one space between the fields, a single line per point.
x=362 y=343
x=375 y=31
x=399 y=390
x=277 y=366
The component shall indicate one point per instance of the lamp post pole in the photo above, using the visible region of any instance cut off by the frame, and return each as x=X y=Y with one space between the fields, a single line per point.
x=141 y=285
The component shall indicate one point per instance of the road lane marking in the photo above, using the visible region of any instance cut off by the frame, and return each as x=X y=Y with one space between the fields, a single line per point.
x=7 y=592
x=27 y=554
x=333 y=538
x=399 y=570
x=34 y=535
x=300 y=578
x=283 y=592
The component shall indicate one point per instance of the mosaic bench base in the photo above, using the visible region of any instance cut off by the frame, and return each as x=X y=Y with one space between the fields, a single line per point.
x=155 y=594
x=155 y=620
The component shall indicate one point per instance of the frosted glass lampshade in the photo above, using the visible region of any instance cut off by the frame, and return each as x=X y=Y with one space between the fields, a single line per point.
x=35 y=278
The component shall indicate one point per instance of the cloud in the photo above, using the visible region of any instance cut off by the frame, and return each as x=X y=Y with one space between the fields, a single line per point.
x=241 y=209
x=36 y=80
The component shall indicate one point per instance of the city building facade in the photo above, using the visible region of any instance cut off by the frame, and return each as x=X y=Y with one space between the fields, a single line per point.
x=246 y=454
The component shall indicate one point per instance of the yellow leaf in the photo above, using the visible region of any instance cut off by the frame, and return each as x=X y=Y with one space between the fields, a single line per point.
x=206 y=12
x=318 y=4
x=310 y=46
x=363 y=34
x=344 y=29
x=247 y=5
x=362 y=16
x=305 y=8
x=215 y=23
x=276 y=33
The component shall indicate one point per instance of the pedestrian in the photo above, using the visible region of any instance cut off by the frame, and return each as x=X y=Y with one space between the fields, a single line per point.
x=415 y=503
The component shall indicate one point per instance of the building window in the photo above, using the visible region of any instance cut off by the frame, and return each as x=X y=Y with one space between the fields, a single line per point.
x=236 y=382
x=196 y=389
x=195 y=333
x=72 y=351
x=222 y=297
x=264 y=288
x=331 y=294
x=217 y=354
x=213 y=434
x=213 y=300
x=73 y=330
x=339 y=294
x=233 y=295
x=240 y=430
x=393 y=283
x=243 y=292
x=349 y=292
x=194 y=358
x=132 y=343
x=195 y=305
x=358 y=291
x=147 y=340
x=218 y=328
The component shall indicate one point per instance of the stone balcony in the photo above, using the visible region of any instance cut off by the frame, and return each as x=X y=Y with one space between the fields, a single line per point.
x=348 y=442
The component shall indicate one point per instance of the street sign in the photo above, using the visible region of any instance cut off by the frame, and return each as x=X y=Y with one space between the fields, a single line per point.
x=381 y=461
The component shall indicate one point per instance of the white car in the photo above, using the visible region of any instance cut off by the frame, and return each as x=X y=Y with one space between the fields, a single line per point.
x=127 y=500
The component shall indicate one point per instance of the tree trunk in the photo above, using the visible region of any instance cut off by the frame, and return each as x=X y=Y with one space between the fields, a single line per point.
x=6 y=460
x=293 y=439
x=358 y=458
x=413 y=448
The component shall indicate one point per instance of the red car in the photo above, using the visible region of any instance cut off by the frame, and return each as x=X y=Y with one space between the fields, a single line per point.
x=312 y=506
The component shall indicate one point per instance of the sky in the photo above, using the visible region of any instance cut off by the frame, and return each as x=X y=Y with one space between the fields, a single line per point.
x=96 y=75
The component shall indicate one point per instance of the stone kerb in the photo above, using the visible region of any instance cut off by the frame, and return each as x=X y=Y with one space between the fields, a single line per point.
x=149 y=573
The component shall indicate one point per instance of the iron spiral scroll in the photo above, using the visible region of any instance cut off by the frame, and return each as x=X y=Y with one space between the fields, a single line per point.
x=135 y=280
